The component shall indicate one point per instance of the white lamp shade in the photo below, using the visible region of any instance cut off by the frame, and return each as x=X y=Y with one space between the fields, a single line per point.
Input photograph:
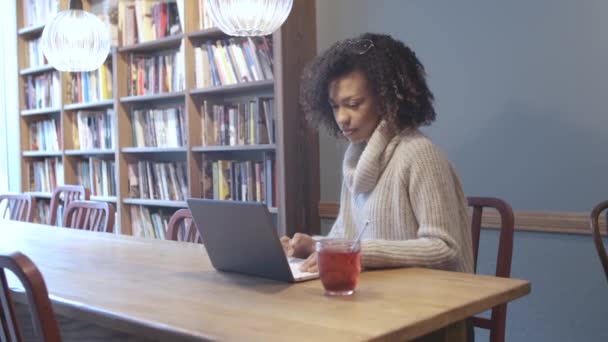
x=249 y=17
x=75 y=40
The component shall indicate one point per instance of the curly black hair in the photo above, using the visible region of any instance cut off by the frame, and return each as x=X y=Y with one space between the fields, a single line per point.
x=395 y=75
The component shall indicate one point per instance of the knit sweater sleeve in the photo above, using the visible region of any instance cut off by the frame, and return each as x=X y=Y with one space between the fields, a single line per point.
x=436 y=199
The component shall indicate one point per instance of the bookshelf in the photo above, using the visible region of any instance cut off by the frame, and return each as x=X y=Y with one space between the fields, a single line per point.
x=89 y=105
x=41 y=111
x=157 y=44
x=38 y=119
x=35 y=70
x=286 y=163
x=33 y=30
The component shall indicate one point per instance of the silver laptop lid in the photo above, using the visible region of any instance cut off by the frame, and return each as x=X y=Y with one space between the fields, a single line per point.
x=240 y=237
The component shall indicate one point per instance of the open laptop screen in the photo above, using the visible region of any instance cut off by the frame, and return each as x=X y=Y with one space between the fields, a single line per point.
x=241 y=237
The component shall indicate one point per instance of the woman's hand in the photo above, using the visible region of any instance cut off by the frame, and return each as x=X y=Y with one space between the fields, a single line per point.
x=286 y=243
x=300 y=246
x=310 y=265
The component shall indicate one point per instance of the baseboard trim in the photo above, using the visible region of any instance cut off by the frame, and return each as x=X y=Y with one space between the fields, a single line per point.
x=536 y=221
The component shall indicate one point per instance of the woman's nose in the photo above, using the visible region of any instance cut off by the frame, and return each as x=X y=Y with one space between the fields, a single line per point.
x=341 y=117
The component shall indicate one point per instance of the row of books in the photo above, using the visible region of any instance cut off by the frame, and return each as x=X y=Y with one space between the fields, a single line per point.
x=39 y=11
x=34 y=54
x=158 y=127
x=232 y=61
x=98 y=175
x=205 y=21
x=95 y=129
x=149 y=223
x=42 y=91
x=45 y=174
x=91 y=86
x=156 y=74
x=244 y=123
x=240 y=180
x=43 y=208
x=158 y=180
x=145 y=20
x=45 y=135
x=42 y=211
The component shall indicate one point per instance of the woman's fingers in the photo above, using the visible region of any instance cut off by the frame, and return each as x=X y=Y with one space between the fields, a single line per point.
x=310 y=265
x=287 y=247
x=302 y=245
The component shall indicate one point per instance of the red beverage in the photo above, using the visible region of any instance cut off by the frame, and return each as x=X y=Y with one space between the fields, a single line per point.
x=339 y=264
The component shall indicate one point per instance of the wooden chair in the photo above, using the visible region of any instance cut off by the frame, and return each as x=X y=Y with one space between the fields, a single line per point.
x=597 y=237
x=89 y=215
x=182 y=220
x=43 y=318
x=70 y=193
x=19 y=207
x=497 y=322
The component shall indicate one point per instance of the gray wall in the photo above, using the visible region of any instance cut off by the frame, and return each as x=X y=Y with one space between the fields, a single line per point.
x=519 y=89
x=569 y=299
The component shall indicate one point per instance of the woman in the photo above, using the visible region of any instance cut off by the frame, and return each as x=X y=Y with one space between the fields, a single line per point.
x=372 y=90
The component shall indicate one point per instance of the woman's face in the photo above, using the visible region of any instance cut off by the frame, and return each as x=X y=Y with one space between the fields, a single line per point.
x=355 y=106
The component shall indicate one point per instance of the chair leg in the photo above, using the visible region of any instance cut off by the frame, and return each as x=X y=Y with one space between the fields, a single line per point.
x=499 y=320
x=7 y=313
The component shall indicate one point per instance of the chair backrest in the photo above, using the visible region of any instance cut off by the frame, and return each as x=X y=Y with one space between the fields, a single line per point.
x=182 y=227
x=597 y=237
x=497 y=323
x=89 y=215
x=19 y=207
x=70 y=193
x=43 y=318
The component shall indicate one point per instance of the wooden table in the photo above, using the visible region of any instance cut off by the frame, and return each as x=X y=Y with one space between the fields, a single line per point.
x=168 y=290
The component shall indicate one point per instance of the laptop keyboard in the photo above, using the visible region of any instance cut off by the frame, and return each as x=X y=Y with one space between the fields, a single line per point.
x=294 y=264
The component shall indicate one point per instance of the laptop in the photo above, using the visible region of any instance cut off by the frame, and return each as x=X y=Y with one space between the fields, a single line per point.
x=240 y=237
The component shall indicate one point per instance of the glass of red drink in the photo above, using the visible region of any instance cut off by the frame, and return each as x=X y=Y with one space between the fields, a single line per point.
x=339 y=263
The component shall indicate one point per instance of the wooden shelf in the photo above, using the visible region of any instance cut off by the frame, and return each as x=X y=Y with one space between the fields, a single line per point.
x=103 y=198
x=36 y=70
x=38 y=194
x=31 y=30
x=153 y=97
x=222 y=148
x=294 y=155
x=155 y=203
x=234 y=88
x=210 y=33
x=42 y=111
x=89 y=152
x=154 y=150
x=93 y=198
x=96 y=104
x=41 y=153
x=158 y=44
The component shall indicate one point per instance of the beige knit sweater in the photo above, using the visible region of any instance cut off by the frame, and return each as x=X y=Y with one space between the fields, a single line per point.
x=406 y=187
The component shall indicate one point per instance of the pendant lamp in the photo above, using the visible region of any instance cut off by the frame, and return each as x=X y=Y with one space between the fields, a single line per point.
x=249 y=17
x=75 y=40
